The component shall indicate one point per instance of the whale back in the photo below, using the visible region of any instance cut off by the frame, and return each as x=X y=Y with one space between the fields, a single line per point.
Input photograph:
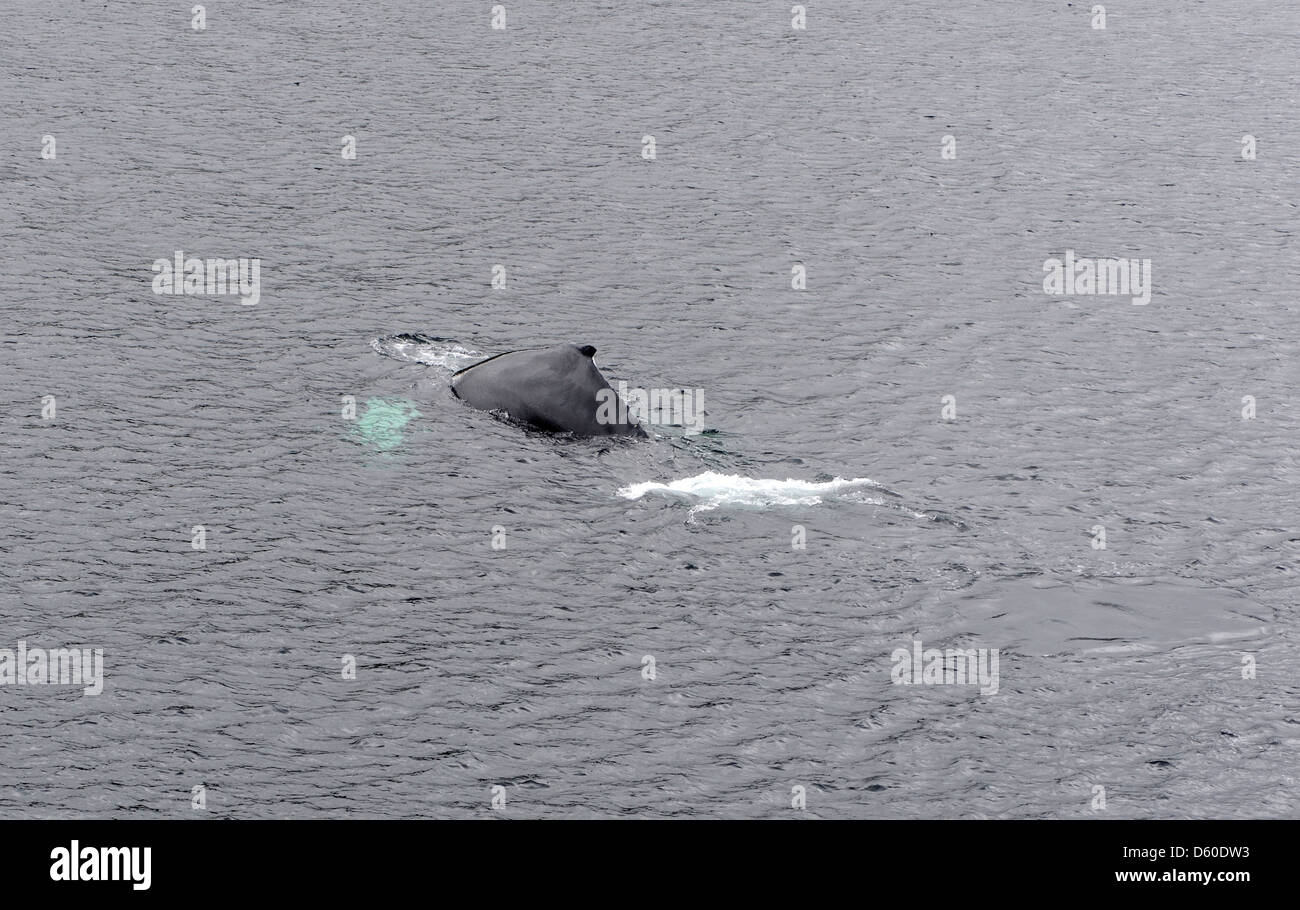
x=553 y=389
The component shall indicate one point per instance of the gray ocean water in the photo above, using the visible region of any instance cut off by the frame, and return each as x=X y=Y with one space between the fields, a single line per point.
x=1162 y=668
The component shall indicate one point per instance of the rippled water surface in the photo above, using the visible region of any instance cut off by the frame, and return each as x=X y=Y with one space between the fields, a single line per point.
x=523 y=667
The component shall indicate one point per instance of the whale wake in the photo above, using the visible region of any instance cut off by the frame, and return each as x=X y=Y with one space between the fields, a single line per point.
x=712 y=490
x=446 y=353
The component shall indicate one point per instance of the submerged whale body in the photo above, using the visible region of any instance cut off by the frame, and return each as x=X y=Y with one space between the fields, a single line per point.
x=556 y=389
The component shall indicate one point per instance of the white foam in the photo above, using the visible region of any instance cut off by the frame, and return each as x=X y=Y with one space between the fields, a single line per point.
x=449 y=356
x=711 y=490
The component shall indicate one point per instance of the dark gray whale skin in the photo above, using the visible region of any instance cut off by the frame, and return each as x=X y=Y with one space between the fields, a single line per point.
x=552 y=389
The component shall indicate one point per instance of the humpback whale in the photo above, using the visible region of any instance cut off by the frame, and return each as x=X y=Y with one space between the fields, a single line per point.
x=556 y=389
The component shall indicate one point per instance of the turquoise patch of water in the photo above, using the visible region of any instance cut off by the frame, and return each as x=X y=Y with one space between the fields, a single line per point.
x=383 y=424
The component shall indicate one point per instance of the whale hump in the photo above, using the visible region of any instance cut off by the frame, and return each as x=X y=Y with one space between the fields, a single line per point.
x=556 y=389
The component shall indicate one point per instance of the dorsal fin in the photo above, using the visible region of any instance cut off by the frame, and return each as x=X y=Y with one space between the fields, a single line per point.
x=587 y=350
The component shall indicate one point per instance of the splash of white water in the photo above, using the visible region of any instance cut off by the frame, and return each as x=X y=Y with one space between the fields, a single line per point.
x=437 y=352
x=711 y=490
